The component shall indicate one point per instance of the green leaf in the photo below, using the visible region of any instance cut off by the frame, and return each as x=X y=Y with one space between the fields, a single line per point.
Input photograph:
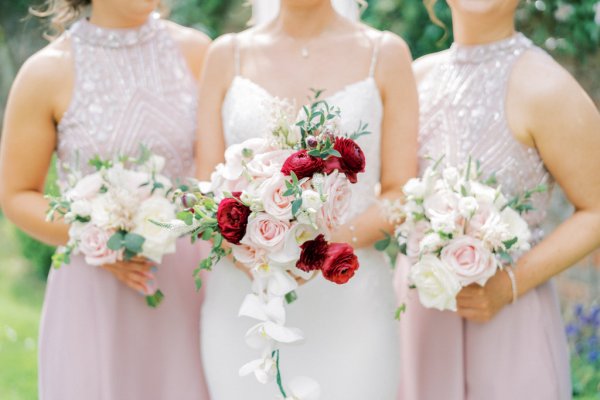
x=186 y=216
x=289 y=192
x=115 y=242
x=207 y=234
x=403 y=248
x=206 y=264
x=155 y=300
x=128 y=254
x=504 y=256
x=334 y=153
x=510 y=243
x=291 y=297
x=134 y=242
x=383 y=244
x=294 y=178
x=296 y=204
x=463 y=191
x=218 y=240
x=399 y=311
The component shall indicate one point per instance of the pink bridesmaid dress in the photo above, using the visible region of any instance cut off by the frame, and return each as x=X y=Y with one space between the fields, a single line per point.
x=98 y=339
x=522 y=353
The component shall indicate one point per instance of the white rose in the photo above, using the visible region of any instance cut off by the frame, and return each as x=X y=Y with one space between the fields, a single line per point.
x=451 y=176
x=87 y=187
x=311 y=200
x=430 y=243
x=517 y=227
x=441 y=222
x=289 y=253
x=81 y=208
x=436 y=284
x=414 y=235
x=266 y=232
x=237 y=155
x=273 y=200
x=414 y=188
x=469 y=260
x=93 y=244
x=482 y=192
x=467 y=206
x=442 y=202
x=248 y=255
x=159 y=241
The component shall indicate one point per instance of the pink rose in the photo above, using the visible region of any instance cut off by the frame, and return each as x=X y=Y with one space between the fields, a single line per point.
x=266 y=232
x=337 y=207
x=248 y=255
x=469 y=260
x=93 y=244
x=273 y=200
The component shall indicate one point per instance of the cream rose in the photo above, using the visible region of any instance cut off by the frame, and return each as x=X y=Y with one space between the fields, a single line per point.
x=87 y=187
x=436 y=284
x=469 y=260
x=159 y=241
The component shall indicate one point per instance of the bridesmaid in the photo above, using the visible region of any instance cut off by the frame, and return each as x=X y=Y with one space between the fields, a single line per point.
x=114 y=81
x=495 y=96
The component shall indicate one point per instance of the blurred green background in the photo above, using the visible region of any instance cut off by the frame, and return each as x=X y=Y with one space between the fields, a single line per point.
x=568 y=29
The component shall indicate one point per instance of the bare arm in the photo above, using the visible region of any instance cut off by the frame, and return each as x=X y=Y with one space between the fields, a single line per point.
x=398 y=138
x=28 y=142
x=562 y=122
x=193 y=45
x=216 y=77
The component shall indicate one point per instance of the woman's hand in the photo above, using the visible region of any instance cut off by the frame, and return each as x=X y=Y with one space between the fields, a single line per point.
x=481 y=303
x=136 y=273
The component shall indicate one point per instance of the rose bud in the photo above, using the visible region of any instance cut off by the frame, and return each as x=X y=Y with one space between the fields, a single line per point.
x=340 y=263
x=189 y=200
x=303 y=165
x=312 y=142
x=313 y=254
x=232 y=218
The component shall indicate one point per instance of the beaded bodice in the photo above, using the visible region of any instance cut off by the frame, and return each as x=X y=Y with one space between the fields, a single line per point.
x=132 y=87
x=463 y=100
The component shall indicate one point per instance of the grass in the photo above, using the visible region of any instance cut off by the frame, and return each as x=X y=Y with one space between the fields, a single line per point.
x=21 y=296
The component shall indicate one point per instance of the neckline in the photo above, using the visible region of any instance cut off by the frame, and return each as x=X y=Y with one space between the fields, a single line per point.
x=482 y=52
x=115 y=37
x=346 y=88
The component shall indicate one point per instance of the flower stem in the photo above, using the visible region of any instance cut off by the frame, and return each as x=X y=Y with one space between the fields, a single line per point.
x=276 y=355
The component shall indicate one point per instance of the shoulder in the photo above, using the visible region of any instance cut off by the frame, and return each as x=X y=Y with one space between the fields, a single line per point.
x=187 y=37
x=547 y=94
x=423 y=65
x=193 y=44
x=49 y=67
x=538 y=78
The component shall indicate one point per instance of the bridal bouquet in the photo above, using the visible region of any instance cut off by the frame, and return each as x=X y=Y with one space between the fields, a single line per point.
x=110 y=211
x=458 y=230
x=274 y=204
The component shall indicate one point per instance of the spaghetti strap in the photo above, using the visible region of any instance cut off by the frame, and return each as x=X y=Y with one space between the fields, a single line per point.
x=375 y=55
x=236 y=55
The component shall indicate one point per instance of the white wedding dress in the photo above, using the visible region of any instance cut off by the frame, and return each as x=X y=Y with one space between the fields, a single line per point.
x=351 y=335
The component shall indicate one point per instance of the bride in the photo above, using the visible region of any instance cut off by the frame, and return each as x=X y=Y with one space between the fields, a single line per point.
x=295 y=45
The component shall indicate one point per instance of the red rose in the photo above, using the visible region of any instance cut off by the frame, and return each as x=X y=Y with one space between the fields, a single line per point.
x=303 y=165
x=340 y=263
x=232 y=218
x=351 y=162
x=313 y=254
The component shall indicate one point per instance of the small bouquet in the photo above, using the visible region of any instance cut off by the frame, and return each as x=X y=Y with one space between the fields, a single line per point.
x=273 y=204
x=457 y=230
x=110 y=212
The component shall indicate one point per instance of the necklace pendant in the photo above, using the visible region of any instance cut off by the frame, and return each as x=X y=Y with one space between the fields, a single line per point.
x=304 y=52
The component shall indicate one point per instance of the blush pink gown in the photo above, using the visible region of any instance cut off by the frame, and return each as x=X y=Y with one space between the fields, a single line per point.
x=98 y=339
x=522 y=353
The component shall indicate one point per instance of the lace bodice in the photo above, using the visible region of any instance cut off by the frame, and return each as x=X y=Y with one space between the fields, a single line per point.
x=132 y=87
x=463 y=101
x=246 y=114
